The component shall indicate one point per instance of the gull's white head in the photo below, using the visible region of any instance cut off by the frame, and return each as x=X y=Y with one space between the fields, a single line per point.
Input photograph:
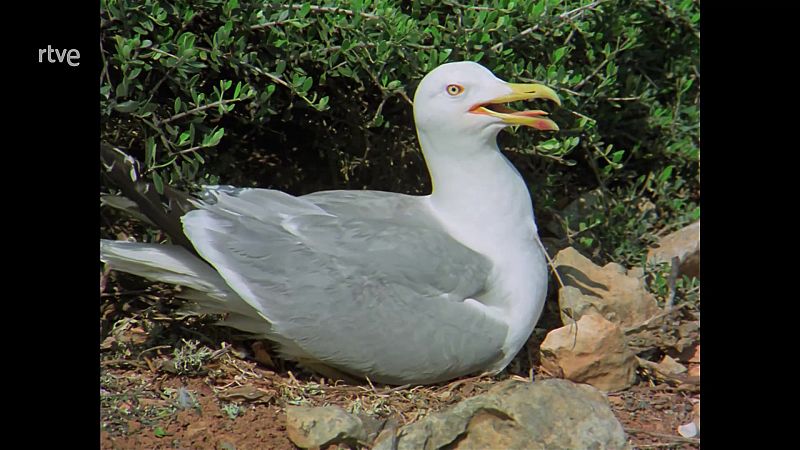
x=466 y=98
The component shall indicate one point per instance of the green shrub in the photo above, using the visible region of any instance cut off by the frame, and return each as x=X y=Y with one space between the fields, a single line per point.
x=302 y=97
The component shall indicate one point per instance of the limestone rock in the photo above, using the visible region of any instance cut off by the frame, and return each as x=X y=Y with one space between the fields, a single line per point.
x=593 y=352
x=683 y=244
x=610 y=291
x=313 y=427
x=694 y=363
x=671 y=367
x=550 y=414
x=692 y=429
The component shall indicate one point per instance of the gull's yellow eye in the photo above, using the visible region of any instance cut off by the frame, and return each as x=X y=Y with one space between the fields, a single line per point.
x=455 y=89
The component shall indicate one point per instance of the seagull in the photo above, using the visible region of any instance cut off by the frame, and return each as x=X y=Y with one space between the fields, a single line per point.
x=398 y=289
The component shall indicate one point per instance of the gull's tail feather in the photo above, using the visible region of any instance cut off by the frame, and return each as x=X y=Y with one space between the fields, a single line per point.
x=202 y=286
x=143 y=200
x=173 y=264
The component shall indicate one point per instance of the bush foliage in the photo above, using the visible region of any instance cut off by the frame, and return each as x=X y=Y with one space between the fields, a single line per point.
x=316 y=95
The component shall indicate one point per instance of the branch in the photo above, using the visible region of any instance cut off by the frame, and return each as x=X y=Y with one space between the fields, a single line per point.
x=337 y=10
x=316 y=9
x=597 y=69
x=200 y=109
x=575 y=11
x=563 y=16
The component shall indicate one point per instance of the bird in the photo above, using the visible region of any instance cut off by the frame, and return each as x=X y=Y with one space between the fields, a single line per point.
x=389 y=287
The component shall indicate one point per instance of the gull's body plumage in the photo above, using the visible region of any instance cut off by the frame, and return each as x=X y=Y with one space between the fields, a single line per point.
x=397 y=288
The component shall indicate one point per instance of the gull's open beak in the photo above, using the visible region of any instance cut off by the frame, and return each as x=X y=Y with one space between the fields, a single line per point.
x=533 y=118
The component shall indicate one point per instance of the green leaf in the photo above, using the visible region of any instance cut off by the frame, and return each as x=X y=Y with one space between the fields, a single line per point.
x=158 y=182
x=177 y=105
x=304 y=10
x=127 y=106
x=307 y=84
x=558 y=54
x=184 y=137
x=150 y=151
x=280 y=66
x=550 y=144
x=666 y=173
x=213 y=139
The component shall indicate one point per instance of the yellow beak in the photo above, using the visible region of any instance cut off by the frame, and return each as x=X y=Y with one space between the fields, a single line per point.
x=532 y=118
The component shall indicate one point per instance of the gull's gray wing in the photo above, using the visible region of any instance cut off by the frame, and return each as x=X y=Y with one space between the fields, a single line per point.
x=367 y=294
x=380 y=205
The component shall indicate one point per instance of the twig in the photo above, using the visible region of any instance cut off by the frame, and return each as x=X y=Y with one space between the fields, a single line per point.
x=550 y=263
x=595 y=168
x=623 y=99
x=274 y=23
x=597 y=69
x=673 y=277
x=119 y=294
x=191 y=149
x=522 y=33
x=337 y=10
x=157 y=347
x=334 y=48
x=662 y=435
x=316 y=9
x=647 y=322
x=656 y=445
x=405 y=97
x=475 y=8
x=572 y=12
x=104 y=72
x=563 y=16
x=199 y=109
x=371 y=385
x=121 y=362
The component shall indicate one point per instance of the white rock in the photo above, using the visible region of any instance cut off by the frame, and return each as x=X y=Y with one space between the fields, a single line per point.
x=692 y=429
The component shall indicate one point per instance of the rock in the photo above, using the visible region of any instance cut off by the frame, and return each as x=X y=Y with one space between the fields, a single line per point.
x=312 y=427
x=671 y=367
x=595 y=353
x=610 y=291
x=683 y=244
x=695 y=358
x=694 y=363
x=550 y=414
x=692 y=429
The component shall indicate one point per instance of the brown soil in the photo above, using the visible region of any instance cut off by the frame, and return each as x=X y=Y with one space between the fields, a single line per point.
x=171 y=381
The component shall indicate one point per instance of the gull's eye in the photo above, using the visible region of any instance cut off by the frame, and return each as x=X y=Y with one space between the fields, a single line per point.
x=455 y=89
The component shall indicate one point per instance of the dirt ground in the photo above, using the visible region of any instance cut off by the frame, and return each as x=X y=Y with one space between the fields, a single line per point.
x=175 y=381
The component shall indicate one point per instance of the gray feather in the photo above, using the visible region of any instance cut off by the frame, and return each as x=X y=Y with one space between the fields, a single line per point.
x=376 y=291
